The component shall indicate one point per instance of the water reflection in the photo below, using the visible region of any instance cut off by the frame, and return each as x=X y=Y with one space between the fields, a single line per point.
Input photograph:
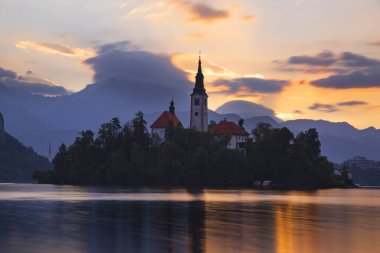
x=186 y=221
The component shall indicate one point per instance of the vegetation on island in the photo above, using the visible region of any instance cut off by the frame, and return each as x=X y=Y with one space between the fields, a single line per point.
x=127 y=155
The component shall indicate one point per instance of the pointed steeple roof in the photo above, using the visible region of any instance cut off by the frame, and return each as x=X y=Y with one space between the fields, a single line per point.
x=199 y=87
x=171 y=107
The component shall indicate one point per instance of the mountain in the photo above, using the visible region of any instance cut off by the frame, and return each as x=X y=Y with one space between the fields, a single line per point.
x=17 y=162
x=245 y=109
x=340 y=140
x=251 y=123
x=40 y=121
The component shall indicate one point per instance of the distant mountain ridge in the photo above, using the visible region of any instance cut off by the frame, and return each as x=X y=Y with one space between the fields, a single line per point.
x=246 y=109
x=17 y=162
x=41 y=121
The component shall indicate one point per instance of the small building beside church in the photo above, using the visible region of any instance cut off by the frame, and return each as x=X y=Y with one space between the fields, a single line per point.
x=164 y=120
x=238 y=135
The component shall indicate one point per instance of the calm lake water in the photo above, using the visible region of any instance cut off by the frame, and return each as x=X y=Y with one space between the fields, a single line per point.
x=46 y=218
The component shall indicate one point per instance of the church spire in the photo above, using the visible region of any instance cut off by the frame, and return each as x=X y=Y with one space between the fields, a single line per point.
x=199 y=66
x=198 y=109
x=171 y=107
x=199 y=80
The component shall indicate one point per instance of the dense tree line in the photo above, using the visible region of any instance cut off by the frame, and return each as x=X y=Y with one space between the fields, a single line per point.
x=365 y=176
x=128 y=155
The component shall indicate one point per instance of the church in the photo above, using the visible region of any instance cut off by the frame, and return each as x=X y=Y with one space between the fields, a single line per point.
x=199 y=117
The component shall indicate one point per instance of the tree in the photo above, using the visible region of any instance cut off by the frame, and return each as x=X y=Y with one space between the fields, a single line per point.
x=211 y=124
x=241 y=123
x=140 y=133
x=60 y=165
x=124 y=156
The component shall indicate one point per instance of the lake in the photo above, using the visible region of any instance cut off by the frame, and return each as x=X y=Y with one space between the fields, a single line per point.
x=70 y=219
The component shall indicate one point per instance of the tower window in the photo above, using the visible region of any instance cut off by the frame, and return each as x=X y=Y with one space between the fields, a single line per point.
x=197 y=101
x=196 y=113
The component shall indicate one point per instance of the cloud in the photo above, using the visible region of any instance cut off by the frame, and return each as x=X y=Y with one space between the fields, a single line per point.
x=347 y=70
x=31 y=84
x=334 y=107
x=197 y=12
x=250 y=85
x=327 y=61
x=354 y=60
x=324 y=59
x=36 y=88
x=323 y=107
x=205 y=13
x=123 y=45
x=145 y=79
x=375 y=43
x=356 y=79
x=297 y=112
x=4 y=73
x=56 y=49
x=152 y=11
x=352 y=103
x=249 y=18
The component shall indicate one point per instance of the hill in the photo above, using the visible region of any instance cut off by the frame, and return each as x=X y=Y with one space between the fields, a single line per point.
x=17 y=162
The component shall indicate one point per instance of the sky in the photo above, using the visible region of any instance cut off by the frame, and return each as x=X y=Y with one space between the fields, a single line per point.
x=313 y=59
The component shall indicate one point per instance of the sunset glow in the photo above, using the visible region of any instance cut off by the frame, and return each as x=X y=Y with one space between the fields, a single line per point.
x=294 y=45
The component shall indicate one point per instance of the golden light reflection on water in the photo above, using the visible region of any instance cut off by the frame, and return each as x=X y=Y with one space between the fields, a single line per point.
x=78 y=219
x=284 y=243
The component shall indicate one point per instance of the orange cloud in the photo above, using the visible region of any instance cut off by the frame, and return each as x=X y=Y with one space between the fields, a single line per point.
x=249 y=18
x=57 y=49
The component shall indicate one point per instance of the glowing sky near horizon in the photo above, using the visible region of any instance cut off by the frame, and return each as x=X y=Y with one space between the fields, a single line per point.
x=238 y=39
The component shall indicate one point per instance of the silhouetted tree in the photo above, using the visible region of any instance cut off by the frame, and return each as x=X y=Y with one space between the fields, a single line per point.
x=125 y=156
x=241 y=123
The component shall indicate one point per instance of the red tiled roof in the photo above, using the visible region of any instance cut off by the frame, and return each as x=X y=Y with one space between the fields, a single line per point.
x=164 y=120
x=228 y=128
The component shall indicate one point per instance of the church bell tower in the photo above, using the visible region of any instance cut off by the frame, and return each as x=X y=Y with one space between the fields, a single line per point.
x=199 y=110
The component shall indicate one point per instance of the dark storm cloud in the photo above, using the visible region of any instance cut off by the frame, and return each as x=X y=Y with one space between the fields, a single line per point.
x=352 y=103
x=323 y=107
x=356 y=79
x=253 y=85
x=142 y=76
x=31 y=84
